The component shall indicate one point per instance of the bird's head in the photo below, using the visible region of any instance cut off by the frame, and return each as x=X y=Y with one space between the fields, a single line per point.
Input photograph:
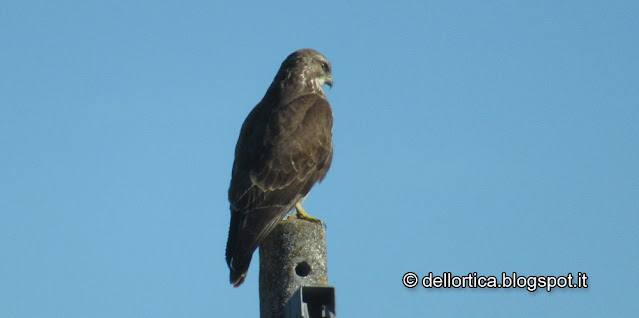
x=307 y=68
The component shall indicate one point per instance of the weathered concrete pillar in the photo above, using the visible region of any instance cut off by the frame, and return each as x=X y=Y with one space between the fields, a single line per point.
x=293 y=255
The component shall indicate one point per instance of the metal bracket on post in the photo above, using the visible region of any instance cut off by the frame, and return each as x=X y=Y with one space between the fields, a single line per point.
x=312 y=302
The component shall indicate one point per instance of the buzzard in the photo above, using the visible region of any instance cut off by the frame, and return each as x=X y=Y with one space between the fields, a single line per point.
x=285 y=146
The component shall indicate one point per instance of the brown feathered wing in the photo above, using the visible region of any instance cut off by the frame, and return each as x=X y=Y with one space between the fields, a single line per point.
x=282 y=151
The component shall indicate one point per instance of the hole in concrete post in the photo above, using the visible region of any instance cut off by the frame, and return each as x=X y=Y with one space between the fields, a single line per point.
x=303 y=269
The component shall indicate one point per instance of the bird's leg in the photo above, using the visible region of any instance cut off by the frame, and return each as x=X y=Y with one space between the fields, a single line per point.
x=301 y=214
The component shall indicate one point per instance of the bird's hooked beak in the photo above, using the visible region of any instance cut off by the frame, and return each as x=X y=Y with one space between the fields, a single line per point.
x=329 y=80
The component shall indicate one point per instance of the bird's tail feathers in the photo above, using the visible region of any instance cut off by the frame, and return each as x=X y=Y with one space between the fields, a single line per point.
x=238 y=263
x=246 y=232
x=237 y=219
x=238 y=276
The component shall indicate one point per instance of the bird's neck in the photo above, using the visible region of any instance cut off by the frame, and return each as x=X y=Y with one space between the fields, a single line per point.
x=285 y=88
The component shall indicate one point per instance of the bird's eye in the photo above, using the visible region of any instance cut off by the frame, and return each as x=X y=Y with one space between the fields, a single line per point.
x=325 y=66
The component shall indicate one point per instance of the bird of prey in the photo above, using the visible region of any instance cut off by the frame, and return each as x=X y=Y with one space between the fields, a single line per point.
x=285 y=146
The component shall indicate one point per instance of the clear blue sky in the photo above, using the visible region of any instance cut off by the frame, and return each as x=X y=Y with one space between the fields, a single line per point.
x=469 y=136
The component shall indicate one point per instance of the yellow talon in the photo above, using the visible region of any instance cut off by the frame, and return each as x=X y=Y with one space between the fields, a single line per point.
x=301 y=214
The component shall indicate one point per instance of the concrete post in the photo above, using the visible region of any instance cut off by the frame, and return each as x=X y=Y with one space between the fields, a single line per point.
x=293 y=255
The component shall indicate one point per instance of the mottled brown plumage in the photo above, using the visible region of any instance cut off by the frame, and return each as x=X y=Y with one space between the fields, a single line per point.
x=285 y=146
